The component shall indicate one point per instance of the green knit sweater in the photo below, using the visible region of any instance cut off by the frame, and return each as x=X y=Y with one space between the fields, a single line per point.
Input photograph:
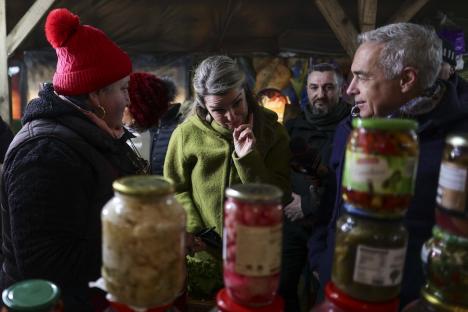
x=202 y=163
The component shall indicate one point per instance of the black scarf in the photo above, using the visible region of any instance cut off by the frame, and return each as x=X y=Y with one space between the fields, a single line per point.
x=328 y=121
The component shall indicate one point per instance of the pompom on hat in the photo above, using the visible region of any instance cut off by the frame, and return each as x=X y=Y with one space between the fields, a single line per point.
x=87 y=59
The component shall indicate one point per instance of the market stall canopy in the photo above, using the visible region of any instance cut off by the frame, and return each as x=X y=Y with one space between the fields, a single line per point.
x=237 y=26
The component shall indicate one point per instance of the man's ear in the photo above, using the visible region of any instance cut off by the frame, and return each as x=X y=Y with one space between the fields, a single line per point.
x=408 y=79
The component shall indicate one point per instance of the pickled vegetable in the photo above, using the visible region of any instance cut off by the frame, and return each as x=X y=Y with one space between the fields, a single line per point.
x=452 y=192
x=143 y=248
x=380 y=165
x=447 y=267
x=252 y=244
x=369 y=257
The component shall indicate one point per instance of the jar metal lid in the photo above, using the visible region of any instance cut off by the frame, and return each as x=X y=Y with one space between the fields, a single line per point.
x=143 y=185
x=31 y=295
x=458 y=140
x=254 y=192
x=225 y=303
x=439 y=305
x=350 y=304
x=385 y=123
x=449 y=238
x=367 y=214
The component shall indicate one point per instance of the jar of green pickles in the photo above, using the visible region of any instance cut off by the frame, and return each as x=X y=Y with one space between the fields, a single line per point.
x=428 y=303
x=446 y=261
x=380 y=165
x=369 y=257
x=143 y=227
x=452 y=191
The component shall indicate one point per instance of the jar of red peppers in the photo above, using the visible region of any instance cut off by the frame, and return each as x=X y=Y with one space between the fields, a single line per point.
x=452 y=192
x=380 y=165
x=252 y=243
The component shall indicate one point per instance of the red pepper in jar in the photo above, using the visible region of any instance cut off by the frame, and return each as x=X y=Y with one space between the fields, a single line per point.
x=380 y=165
x=252 y=243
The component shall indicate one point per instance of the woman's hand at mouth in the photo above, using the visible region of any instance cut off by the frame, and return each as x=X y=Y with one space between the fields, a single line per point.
x=244 y=138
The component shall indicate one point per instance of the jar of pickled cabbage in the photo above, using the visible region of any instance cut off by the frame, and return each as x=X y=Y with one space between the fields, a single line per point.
x=380 y=165
x=33 y=295
x=452 y=192
x=445 y=257
x=252 y=243
x=337 y=301
x=369 y=257
x=143 y=259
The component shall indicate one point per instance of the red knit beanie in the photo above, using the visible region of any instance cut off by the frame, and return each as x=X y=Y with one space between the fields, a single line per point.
x=149 y=99
x=87 y=59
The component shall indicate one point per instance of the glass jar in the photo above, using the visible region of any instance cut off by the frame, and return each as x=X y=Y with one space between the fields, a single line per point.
x=252 y=243
x=380 y=165
x=452 y=193
x=337 y=301
x=428 y=303
x=119 y=307
x=34 y=295
x=224 y=303
x=446 y=260
x=143 y=260
x=369 y=257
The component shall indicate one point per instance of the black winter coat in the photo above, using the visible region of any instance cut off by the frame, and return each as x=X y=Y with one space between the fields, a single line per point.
x=58 y=175
x=6 y=136
x=449 y=116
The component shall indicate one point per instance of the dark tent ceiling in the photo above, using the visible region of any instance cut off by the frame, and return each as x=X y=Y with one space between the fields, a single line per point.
x=222 y=26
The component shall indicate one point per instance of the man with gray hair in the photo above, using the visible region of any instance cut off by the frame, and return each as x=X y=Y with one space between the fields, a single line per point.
x=395 y=70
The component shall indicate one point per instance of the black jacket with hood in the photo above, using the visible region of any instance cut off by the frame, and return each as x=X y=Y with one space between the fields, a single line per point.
x=57 y=176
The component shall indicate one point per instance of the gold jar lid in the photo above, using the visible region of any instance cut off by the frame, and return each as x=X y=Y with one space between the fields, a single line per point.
x=255 y=192
x=459 y=139
x=143 y=185
x=439 y=305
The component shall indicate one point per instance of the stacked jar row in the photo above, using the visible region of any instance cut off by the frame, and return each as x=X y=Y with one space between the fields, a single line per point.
x=370 y=242
x=445 y=255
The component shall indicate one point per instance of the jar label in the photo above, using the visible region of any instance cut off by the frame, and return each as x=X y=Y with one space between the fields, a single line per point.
x=379 y=267
x=258 y=250
x=451 y=193
x=379 y=174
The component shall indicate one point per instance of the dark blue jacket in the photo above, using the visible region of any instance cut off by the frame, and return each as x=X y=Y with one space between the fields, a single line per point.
x=449 y=116
x=161 y=135
x=461 y=85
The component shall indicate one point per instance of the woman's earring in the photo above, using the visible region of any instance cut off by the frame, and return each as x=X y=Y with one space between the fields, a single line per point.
x=102 y=112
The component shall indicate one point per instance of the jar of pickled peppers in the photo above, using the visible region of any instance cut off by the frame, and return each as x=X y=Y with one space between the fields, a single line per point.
x=252 y=243
x=445 y=261
x=380 y=165
x=452 y=191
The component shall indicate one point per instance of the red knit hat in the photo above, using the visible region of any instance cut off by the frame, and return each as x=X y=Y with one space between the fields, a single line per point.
x=87 y=59
x=149 y=98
